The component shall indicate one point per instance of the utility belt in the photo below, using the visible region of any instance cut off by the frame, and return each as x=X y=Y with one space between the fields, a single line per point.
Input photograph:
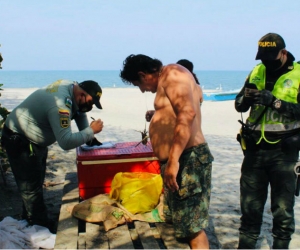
x=263 y=145
x=8 y=133
x=15 y=141
x=248 y=143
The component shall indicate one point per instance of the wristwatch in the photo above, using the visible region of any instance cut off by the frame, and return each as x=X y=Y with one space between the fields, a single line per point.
x=277 y=104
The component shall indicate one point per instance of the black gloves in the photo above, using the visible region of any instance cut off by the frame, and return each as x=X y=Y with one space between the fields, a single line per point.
x=263 y=97
x=93 y=142
x=248 y=100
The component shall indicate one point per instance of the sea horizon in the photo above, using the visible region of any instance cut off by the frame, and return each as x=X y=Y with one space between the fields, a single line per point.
x=225 y=80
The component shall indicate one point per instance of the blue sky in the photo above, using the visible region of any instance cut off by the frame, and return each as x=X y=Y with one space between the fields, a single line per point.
x=100 y=34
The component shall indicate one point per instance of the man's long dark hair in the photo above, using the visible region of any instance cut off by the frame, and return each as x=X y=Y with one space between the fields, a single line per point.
x=136 y=63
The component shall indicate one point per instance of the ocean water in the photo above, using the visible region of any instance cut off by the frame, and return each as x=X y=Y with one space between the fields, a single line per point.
x=226 y=80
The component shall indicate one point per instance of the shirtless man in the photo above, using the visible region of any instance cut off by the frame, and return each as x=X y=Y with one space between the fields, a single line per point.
x=189 y=65
x=178 y=142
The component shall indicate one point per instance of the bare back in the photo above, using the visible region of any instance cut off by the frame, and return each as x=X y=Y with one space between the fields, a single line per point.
x=176 y=123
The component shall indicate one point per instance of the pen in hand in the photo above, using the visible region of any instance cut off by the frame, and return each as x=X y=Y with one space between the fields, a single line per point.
x=96 y=125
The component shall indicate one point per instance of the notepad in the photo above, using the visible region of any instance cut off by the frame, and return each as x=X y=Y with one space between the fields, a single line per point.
x=108 y=144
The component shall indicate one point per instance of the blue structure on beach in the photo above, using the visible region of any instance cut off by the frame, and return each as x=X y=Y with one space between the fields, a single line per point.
x=220 y=96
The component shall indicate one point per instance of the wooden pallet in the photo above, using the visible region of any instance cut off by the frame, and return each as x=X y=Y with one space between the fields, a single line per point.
x=76 y=234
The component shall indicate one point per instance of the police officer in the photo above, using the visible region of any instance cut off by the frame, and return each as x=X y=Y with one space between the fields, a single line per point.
x=271 y=142
x=41 y=119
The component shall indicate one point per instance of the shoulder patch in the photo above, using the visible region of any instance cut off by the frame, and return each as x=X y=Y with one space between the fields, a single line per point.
x=64 y=112
x=68 y=102
x=53 y=87
x=64 y=122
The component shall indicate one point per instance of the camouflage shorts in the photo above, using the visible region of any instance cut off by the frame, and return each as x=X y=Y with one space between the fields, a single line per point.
x=187 y=208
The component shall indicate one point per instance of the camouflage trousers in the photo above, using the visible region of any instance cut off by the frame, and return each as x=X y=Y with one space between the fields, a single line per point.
x=188 y=207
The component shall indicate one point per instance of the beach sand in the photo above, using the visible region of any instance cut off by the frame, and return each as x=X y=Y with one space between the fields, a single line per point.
x=124 y=115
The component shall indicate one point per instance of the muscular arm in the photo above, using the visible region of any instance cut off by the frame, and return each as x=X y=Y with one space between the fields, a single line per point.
x=182 y=104
x=179 y=92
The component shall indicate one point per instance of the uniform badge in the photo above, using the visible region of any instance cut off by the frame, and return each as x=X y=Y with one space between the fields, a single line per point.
x=53 y=87
x=64 y=122
x=68 y=102
x=287 y=83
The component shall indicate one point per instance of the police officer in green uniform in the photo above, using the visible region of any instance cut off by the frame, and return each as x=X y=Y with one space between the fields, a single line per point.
x=41 y=119
x=270 y=141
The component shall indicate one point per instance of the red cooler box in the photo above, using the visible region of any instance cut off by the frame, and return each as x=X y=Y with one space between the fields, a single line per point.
x=96 y=168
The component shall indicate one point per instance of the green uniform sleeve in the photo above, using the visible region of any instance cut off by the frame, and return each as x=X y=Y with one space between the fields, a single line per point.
x=60 y=122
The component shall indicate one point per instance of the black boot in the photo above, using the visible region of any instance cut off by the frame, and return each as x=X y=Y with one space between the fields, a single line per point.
x=280 y=244
x=246 y=242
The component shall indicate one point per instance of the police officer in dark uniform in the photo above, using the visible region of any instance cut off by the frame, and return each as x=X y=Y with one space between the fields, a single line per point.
x=270 y=141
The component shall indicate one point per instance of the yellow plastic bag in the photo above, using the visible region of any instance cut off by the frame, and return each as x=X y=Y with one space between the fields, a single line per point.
x=138 y=192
